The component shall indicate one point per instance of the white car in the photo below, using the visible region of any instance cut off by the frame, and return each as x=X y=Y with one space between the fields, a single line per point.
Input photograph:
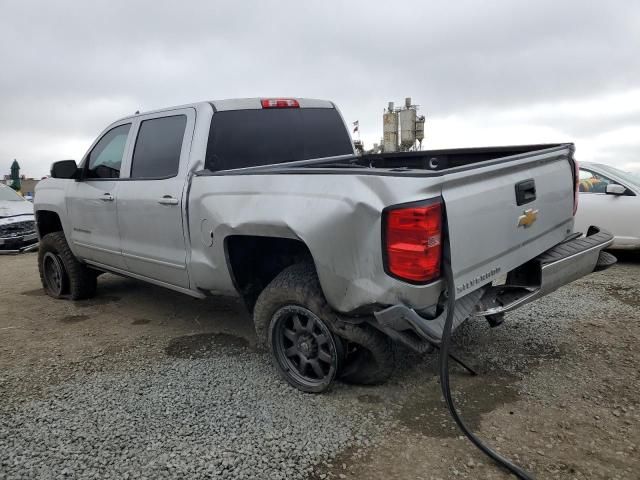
x=610 y=198
x=17 y=221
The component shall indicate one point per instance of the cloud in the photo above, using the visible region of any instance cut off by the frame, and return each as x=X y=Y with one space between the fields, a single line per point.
x=500 y=72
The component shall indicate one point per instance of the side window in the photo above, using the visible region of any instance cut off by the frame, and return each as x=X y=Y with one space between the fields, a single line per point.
x=106 y=157
x=157 y=150
x=591 y=182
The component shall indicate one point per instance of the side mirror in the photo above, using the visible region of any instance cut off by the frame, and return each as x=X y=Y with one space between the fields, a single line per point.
x=64 y=169
x=615 y=189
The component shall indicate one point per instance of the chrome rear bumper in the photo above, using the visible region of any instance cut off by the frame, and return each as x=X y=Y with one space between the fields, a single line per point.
x=562 y=264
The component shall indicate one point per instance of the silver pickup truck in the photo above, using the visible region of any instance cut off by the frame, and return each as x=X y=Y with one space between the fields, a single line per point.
x=336 y=255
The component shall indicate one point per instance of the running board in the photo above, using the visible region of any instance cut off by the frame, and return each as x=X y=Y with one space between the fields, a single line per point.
x=124 y=273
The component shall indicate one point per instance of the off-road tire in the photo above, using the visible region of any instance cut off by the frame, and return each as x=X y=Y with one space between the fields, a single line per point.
x=370 y=356
x=80 y=282
x=296 y=285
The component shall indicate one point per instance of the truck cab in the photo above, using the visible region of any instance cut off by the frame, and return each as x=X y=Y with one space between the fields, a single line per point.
x=126 y=208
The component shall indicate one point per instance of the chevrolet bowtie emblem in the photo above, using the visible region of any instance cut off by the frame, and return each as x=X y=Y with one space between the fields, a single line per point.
x=528 y=218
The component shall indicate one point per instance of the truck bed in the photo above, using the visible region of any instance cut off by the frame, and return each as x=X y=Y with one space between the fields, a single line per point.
x=424 y=162
x=444 y=159
x=338 y=202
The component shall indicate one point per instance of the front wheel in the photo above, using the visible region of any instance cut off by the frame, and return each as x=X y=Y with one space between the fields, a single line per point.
x=54 y=277
x=62 y=275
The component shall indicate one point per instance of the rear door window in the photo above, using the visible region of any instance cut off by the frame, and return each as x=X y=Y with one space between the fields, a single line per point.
x=158 y=146
x=248 y=138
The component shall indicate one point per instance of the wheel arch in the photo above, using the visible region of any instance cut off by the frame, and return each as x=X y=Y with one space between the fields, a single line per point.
x=254 y=261
x=48 y=221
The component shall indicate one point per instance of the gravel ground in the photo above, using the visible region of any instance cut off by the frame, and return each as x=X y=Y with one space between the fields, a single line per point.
x=144 y=383
x=224 y=415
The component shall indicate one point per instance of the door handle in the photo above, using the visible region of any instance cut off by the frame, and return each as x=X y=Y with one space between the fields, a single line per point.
x=168 y=200
x=107 y=197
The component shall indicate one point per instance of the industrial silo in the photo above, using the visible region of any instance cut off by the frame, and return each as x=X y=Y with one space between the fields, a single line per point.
x=390 y=129
x=420 y=129
x=407 y=126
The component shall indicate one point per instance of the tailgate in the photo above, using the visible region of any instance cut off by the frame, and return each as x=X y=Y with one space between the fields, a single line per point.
x=489 y=232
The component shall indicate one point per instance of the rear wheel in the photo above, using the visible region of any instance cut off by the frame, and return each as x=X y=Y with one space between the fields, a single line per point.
x=62 y=275
x=305 y=350
x=294 y=321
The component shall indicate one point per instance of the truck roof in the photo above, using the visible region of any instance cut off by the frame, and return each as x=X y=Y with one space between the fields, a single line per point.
x=253 y=103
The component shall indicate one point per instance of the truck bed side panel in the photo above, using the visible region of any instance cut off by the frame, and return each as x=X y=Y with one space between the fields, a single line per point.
x=338 y=217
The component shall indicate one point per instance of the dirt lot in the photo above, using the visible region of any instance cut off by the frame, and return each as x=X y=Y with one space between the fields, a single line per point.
x=559 y=390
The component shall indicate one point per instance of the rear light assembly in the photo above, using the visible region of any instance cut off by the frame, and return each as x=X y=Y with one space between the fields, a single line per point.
x=412 y=241
x=279 y=103
x=576 y=185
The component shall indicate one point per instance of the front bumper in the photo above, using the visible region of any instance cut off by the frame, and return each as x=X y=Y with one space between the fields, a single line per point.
x=18 y=244
x=558 y=266
x=17 y=232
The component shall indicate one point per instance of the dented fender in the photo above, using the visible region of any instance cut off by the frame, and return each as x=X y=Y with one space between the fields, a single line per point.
x=338 y=218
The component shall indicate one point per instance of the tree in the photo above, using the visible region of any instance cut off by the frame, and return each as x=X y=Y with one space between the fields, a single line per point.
x=15 y=176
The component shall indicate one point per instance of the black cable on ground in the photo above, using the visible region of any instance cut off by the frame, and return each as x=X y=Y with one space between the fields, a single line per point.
x=446 y=391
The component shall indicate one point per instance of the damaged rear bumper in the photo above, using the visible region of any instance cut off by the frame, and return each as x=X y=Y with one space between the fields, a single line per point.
x=558 y=266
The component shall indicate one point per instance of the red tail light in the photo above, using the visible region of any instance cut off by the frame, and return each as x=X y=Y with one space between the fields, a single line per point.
x=279 y=103
x=576 y=185
x=412 y=242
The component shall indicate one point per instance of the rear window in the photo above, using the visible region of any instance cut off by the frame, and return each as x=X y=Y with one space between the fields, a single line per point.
x=248 y=138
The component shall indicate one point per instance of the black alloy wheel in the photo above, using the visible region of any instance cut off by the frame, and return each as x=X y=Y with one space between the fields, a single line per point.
x=307 y=352
x=55 y=276
x=61 y=273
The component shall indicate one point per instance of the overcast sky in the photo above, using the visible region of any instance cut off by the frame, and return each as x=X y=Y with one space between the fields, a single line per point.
x=484 y=73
